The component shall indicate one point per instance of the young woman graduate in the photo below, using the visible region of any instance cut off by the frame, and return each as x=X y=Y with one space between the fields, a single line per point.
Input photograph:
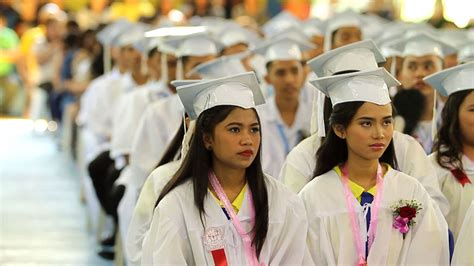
x=361 y=210
x=454 y=149
x=206 y=214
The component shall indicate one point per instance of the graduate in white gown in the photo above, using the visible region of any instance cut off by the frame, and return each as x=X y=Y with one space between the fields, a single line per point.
x=463 y=254
x=161 y=120
x=422 y=56
x=454 y=148
x=361 y=211
x=162 y=117
x=284 y=118
x=146 y=203
x=132 y=105
x=156 y=181
x=195 y=222
x=94 y=132
x=300 y=164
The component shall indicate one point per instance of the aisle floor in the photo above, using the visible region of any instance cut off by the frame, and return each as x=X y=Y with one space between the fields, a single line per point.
x=42 y=220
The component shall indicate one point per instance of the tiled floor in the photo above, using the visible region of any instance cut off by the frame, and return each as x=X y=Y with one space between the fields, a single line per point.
x=42 y=221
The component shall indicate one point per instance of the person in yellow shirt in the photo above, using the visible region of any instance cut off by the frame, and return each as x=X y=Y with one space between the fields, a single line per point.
x=39 y=48
x=8 y=56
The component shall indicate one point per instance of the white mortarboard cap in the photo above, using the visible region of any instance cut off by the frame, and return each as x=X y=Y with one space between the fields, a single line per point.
x=455 y=37
x=214 y=25
x=293 y=32
x=367 y=86
x=372 y=25
x=221 y=67
x=154 y=43
x=421 y=44
x=359 y=56
x=284 y=48
x=391 y=31
x=240 y=90
x=107 y=35
x=133 y=36
x=174 y=31
x=283 y=20
x=236 y=34
x=341 y=20
x=199 y=44
x=466 y=53
x=313 y=27
x=184 y=82
x=453 y=79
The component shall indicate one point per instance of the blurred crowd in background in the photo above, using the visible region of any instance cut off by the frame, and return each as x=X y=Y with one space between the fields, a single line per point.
x=51 y=45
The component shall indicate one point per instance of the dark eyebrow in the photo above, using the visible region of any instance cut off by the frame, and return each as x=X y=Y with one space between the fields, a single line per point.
x=366 y=118
x=371 y=118
x=234 y=124
x=240 y=124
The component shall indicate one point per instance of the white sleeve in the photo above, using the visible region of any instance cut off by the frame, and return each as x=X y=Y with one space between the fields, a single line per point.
x=98 y=114
x=317 y=236
x=292 y=177
x=463 y=254
x=140 y=223
x=429 y=243
x=290 y=246
x=418 y=165
x=300 y=163
x=148 y=142
x=122 y=127
x=165 y=243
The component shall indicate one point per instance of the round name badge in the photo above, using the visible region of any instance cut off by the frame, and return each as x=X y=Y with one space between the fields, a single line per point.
x=213 y=238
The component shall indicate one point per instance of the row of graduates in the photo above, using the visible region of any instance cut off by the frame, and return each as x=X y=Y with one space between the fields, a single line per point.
x=283 y=125
x=219 y=207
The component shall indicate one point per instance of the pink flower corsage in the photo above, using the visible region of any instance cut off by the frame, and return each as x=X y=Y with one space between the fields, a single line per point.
x=404 y=212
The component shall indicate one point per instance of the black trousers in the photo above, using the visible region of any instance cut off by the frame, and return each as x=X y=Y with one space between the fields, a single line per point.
x=103 y=174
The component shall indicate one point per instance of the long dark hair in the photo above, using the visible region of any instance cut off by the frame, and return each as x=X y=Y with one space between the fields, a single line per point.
x=448 y=144
x=196 y=166
x=174 y=147
x=333 y=150
x=410 y=105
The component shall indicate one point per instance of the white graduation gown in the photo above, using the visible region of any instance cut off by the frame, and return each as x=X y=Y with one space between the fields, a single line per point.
x=176 y=231
x=156 y=129
x=143 y=211
x=299 y=166
x=94 y=143
x=459 y=197
x=330 y=237
x=463 y=254
x=131 y=107
x=277 y=138
x=105 y=104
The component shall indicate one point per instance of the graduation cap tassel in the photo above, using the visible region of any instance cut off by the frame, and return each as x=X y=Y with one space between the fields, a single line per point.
x=164 y=68
x=187 y=139
x=107 y=58
x=144 y=66
x=434 y=127
x=314 y=115
x=393 y=71
x=184 y=123
x=321 y=126
x=179 y=69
